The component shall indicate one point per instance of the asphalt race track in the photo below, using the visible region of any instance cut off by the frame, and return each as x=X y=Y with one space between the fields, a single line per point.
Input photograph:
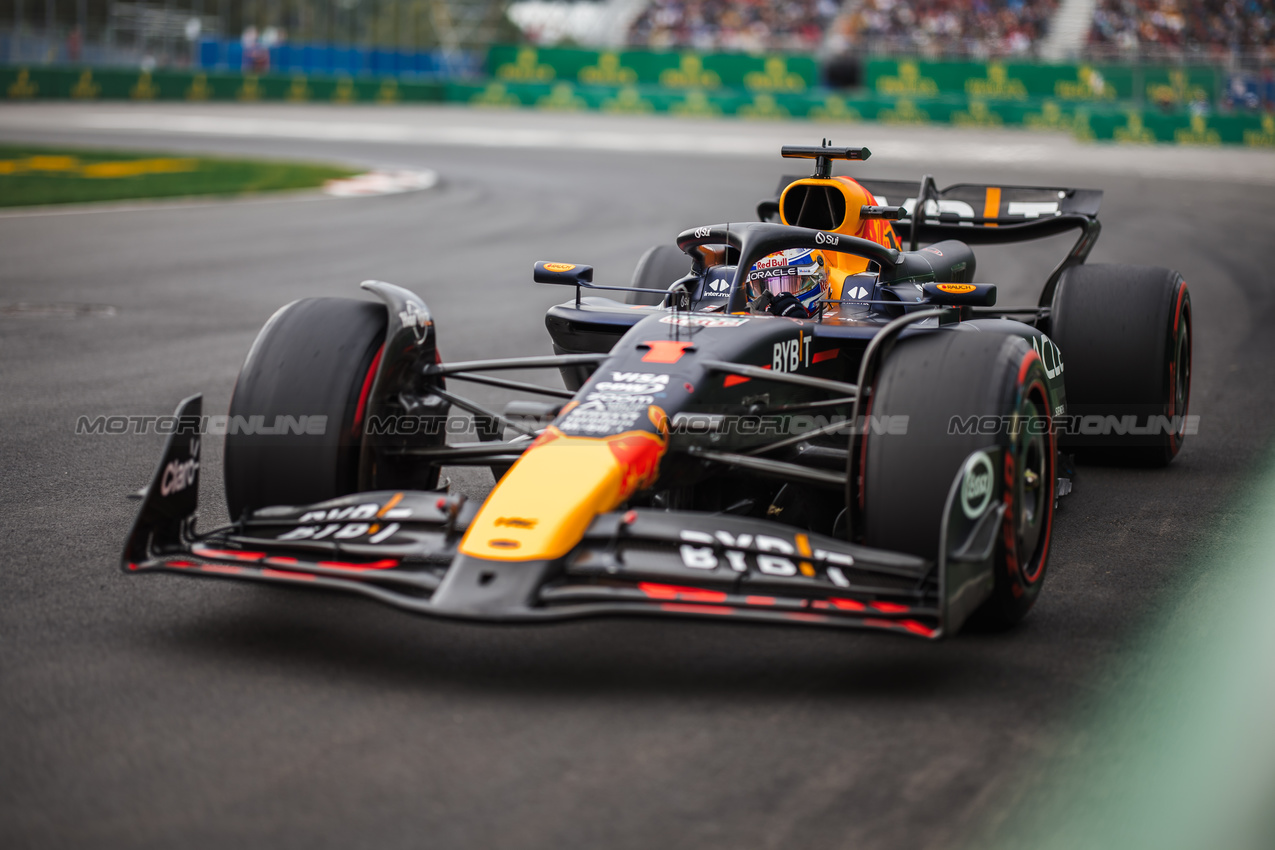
x=161 y=712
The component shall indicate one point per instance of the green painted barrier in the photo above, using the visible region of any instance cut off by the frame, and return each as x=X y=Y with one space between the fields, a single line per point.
x=1161 y=85
x=1120 y=122
x=686 y=70
x=1103 y=121
x=112 y=84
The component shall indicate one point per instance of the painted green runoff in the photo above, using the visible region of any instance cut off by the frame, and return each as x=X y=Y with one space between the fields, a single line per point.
x=35 y=175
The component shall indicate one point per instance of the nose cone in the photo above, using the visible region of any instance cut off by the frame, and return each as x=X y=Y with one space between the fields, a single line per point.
x=544 y=504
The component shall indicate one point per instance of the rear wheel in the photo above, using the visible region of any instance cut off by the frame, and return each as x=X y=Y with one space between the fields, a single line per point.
x=659 y=267
x=306 y=380
x=938 y=379
x=1125 y=337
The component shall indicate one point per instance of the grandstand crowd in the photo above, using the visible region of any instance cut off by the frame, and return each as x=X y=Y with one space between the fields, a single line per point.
x=968 y=27
x=948 y=27
x=977 y=28
x=1186 y=26
x=734 y=24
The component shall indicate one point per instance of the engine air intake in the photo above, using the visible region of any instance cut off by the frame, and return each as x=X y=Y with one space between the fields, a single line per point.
x=815 y=206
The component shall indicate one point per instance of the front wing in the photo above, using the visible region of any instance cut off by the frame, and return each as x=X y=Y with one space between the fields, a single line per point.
x=401 y=548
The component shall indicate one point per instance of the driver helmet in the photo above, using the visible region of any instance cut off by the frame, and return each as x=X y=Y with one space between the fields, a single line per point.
x=799 y=271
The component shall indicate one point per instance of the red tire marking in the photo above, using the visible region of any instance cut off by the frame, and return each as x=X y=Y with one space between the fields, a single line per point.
x=366 y=391
x=1175 y=440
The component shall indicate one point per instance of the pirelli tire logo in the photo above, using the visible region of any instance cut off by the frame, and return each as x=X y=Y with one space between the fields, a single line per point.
x=977 y=484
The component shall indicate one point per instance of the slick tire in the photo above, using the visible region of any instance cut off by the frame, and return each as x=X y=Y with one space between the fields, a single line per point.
x=659 y=267
x=1125 y=337
x=314 y=358
x=907 y=477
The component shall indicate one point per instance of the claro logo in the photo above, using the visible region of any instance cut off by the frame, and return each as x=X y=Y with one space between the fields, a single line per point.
x=976 y=489
x=180 y=474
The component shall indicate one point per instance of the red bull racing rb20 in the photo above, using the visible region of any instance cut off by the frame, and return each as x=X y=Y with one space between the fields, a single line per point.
x=821 y=417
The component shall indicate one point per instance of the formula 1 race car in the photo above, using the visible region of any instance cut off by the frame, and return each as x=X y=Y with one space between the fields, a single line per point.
x=885 y=450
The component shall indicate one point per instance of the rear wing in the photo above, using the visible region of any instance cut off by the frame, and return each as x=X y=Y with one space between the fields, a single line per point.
x=975 y=213
x=980 y=214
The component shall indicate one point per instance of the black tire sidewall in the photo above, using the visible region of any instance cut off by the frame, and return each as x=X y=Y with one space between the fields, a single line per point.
x=1116 y=327
x=312 y=358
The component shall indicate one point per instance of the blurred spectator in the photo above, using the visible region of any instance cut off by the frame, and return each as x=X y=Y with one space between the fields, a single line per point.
x=73 y=45
x=734 y=24
x=1250 y=91
x=1207 y=27
x=979 y=28
x=256 y=49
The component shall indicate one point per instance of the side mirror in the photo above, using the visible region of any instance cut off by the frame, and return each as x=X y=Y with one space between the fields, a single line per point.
x=961 y=294
x=566 y=274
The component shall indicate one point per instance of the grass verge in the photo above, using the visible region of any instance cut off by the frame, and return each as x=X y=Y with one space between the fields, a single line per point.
x=32 y=175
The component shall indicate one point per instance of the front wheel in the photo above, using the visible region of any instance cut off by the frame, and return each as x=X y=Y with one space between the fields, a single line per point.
x=961 y=376
x=295 y=426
